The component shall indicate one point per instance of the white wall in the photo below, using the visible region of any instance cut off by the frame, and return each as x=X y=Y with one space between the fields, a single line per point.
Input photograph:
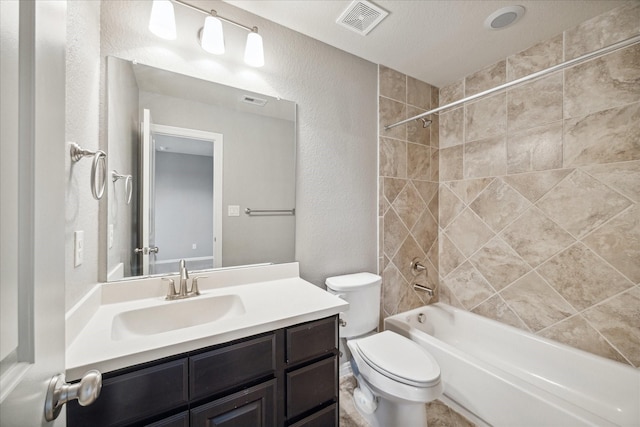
x=336 y=197
x=9 y=102
x=123 y=122
x=82 y=127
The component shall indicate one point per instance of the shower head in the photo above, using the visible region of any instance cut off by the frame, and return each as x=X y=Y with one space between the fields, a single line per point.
x=425 y=122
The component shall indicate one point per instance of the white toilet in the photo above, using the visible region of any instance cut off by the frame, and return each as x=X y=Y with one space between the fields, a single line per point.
x=396 y=377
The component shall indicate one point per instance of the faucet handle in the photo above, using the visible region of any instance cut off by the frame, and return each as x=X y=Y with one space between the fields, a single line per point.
x=194 y=284
x=171 y=292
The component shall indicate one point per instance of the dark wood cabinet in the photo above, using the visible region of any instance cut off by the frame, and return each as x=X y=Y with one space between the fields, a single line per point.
x=221 y=369
x=178 y=420
x=323 y=418
x=311 y=373
x=255 y=407
x=311 y=340
x=288 y=377
x=135 y=396
x=311 y=386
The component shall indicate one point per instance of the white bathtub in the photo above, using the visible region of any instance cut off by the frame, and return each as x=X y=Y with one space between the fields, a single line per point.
x=502 y=376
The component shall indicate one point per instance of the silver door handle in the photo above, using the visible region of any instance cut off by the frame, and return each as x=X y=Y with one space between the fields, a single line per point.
x=146 y=250
x=60 y=392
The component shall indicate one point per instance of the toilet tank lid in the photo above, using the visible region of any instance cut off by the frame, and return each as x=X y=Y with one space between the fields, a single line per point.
x=349 y=282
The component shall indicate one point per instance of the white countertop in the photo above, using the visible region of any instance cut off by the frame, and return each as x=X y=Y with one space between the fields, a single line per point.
x=279 y=300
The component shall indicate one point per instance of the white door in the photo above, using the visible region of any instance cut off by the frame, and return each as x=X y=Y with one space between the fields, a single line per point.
x=201 y=143
x=147 y=250
x=33 y=152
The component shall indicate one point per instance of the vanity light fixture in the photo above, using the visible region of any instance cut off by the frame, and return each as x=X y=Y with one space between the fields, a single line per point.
x=253 y=52
x=163 y=21
x=211 y=35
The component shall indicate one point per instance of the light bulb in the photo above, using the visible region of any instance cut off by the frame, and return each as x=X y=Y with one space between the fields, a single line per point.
x=162 y=22
x=212 y=38
x=253 y=53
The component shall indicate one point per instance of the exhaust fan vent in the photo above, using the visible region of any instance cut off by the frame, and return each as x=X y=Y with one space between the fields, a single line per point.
x=254 y=101
x=362 y=16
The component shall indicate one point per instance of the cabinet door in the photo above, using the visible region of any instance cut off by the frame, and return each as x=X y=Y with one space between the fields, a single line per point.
x=178 y=420
x=134 y=397
x=230 y=366
x=311 y=387
x=312 y=339
x=328 y=417
x=253 y=407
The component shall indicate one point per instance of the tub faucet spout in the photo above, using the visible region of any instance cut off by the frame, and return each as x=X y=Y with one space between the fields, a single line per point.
x=423 y=288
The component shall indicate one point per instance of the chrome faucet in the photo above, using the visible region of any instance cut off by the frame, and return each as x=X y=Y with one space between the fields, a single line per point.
x=184 y=292
x=184 y=276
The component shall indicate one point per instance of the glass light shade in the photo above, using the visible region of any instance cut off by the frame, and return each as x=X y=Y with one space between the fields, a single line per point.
x=212 y=38
x=253 y=53
x=162 y=22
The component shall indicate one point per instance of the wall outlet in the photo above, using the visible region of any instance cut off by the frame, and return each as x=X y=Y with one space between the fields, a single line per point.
x=110 y=236
x=194 y=246
x=78 y=252
x=234 y=210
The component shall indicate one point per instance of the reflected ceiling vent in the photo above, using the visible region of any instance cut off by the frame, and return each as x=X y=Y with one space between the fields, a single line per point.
x=254 y=101
x=362 y=16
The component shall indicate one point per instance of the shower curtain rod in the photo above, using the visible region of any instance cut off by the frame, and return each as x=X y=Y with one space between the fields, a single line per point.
x=591 y=55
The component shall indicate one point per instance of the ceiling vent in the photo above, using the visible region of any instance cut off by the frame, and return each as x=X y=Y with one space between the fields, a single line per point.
x=362 y=16
x=504 y=17
x=254 y=101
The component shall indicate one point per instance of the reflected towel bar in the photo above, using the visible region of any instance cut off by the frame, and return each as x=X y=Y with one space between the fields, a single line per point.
x=250 y=211
x=128 y=183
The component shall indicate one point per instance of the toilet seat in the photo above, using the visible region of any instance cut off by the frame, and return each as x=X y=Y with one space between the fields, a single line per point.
x=399 y=358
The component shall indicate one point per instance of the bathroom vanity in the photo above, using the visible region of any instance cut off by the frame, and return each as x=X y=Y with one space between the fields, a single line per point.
x=271 y=362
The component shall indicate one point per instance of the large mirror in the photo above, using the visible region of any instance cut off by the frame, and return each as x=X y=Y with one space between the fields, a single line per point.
x=196 y=171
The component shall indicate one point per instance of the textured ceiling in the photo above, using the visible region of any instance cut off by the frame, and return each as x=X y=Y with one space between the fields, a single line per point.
x=435 y=41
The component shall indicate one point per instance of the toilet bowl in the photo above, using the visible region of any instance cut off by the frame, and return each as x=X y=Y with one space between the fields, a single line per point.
x=396 y=377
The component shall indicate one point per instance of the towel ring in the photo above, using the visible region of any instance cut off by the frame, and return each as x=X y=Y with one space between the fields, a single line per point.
x=128 y=183
x=98 y=182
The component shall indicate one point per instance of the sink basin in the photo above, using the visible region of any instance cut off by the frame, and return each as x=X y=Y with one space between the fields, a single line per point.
x=174 y=315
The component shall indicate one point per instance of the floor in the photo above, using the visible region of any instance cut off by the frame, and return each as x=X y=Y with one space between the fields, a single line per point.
x=438 y=414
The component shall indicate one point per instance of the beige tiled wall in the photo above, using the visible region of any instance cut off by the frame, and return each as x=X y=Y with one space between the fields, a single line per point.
x=539 y=192
x=408 y=209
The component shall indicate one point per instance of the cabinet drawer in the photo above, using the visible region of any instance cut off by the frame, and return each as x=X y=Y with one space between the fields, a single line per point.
x=253 y=407
x=312 y=339
x=179 y=420
x=327 y=417
x=135 y=396
x=218 y=370
x=311 y=387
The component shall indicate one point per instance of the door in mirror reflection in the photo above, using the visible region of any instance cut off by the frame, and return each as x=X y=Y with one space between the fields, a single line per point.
x=181 y=209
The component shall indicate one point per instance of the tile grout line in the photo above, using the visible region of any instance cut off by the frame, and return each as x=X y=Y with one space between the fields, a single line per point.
x=628 y=208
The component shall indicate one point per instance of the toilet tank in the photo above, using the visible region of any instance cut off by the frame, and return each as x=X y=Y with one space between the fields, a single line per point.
x=362 y=292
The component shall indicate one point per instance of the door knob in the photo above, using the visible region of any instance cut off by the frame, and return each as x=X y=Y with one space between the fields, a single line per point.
x=146 y=250
x=60 y=392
